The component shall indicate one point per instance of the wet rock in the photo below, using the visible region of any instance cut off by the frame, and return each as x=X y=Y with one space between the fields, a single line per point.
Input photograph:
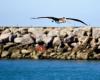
x=4 y=54
x=34 y=55
x=83 y=56
x=51 y=54
x=66 y=55
x=96 y=56
x=1 y=49
x=16 y=54
x=63 y=57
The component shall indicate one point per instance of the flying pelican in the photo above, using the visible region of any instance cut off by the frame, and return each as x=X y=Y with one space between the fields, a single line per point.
x=61 y=20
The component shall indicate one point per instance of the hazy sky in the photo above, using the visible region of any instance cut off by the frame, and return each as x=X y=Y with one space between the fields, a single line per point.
x=19 y=12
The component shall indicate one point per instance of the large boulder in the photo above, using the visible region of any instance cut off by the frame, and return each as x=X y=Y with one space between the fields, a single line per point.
x=4 y=36
x=26 y=39
x=46 y=39
x=6 y=31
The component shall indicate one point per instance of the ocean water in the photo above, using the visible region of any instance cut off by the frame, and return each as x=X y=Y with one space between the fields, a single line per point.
x=49 y=70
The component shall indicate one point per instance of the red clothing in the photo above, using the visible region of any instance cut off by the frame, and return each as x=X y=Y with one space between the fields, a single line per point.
x=40 y=48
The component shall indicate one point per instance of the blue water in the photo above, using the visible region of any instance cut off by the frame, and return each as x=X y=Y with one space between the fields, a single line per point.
x=49 y=70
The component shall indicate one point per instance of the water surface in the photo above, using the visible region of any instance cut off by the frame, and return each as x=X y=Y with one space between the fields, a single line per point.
x=49 y=70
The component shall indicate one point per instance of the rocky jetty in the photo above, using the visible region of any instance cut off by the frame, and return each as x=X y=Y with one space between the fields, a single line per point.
x=68 y=43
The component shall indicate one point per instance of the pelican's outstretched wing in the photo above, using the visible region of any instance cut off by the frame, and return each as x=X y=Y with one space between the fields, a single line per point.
x=53 y=18
x=76 y=20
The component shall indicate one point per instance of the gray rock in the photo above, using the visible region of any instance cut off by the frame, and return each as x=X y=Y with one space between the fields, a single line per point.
x=96 y=33
x=26 y=39
x=54 y=32
x=56 y=41
x=4 y=36
x=6 y=31
x=4 y=54
x=80 y=31
x=96 y=56
x=66 y=31
x=1 y=49
x=18 y=40
x=16 y=54
x=51 y=54
x=47 y=39
x=8 y=45
x=24 y=51
x=23 y=30
x=34 y=55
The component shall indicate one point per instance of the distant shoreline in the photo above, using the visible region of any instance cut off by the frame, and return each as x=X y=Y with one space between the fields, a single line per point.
x=33 y=26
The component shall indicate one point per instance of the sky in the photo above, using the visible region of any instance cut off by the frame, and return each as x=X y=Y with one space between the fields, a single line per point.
x=19 y=12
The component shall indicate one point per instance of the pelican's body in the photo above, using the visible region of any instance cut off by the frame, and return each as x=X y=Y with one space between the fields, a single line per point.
x=61 y=20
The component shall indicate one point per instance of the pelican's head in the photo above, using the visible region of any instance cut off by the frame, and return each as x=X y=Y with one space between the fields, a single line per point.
x=63 y=20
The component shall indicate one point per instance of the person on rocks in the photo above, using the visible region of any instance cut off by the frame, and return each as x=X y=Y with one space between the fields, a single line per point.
x=40 y=47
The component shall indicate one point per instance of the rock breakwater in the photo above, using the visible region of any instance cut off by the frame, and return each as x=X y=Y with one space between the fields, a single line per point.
x=50 y=43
